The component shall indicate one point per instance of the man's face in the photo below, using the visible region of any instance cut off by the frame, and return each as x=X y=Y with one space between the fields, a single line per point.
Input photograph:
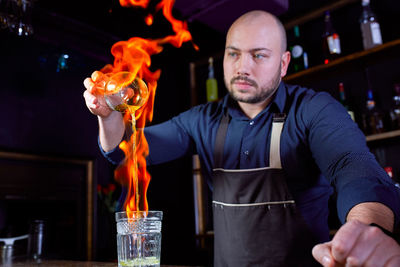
x=252 y=61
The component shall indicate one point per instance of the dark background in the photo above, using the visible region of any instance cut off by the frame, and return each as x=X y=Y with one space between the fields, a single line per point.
x=42 y=109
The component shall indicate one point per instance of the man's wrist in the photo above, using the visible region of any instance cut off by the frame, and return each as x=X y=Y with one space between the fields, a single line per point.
x=372 y=212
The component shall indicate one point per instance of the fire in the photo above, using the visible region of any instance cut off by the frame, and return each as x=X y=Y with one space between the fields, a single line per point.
x=129 y=3
x=134 y=57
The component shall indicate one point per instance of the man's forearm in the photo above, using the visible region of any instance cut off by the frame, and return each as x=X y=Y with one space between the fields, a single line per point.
x=372 y=212
x=111 y=130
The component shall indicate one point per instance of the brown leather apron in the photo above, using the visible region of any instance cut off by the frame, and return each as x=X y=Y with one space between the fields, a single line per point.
x=256 y=222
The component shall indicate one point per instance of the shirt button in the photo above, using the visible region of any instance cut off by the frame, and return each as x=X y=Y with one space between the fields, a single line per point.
x=252 y=122
x=246 y=152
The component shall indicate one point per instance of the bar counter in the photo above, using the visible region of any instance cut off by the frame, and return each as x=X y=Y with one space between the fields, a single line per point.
x=68 y=263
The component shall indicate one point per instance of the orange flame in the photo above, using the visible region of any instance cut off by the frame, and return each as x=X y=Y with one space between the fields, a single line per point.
x=139 y=3
x=134 y=56
x=149 y=20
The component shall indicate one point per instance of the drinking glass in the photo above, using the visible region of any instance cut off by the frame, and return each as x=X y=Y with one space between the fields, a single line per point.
x=125 y=92
x=139 y=238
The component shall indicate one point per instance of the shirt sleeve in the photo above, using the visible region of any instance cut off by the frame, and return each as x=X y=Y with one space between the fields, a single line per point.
x=168 y=140
x=115 y=156
x=339 y=149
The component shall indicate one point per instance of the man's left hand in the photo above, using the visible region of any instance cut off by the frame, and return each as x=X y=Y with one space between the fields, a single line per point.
x=358 y=244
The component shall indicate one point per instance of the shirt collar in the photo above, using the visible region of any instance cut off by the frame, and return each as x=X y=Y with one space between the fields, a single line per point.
x=276 y=105
x=280 y=97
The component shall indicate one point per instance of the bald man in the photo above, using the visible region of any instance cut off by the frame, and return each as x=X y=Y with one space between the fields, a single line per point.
x=271 y=153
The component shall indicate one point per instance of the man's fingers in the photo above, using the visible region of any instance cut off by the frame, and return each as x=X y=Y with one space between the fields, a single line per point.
x=386 y=251
x=393 y=262
x=345 y=239
x=358 y=244
x=97 y=76
x=366 y=245
x=88 y=83
x=96 y=83
x=322 y=253
x=91 y=100
x=95 y=87
x=94 y=94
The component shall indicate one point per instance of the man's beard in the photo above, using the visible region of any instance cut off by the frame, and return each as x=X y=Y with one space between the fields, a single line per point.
x=261 y=95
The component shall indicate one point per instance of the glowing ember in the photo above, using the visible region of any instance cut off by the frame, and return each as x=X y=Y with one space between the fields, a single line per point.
x=132 y=60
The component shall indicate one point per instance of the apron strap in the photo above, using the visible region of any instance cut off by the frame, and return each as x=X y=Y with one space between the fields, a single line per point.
x=220 y=139
x=274 y=153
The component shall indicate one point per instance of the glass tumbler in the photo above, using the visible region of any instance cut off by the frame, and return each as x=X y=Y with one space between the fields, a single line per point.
x=36 y=239
x=139 y=238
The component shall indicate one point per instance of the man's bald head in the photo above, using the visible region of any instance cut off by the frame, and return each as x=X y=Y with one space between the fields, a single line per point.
x=260 y=18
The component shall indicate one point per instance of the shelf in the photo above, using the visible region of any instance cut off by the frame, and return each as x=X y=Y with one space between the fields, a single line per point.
x=382 y=136
x=317 y=13
x=343 y=60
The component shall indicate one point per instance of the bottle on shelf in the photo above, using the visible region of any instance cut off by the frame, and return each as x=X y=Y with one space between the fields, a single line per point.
x=330 y=40
x=394 y=113
x=299 y=60
x=373 y=117
x=211 y=83
x=389 y=171
x=343 y=100
x=370 y=29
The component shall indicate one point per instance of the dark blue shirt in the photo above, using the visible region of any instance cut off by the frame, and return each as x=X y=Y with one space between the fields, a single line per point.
x=320 y=146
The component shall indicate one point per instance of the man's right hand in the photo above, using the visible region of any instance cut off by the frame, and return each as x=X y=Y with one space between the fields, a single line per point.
x=111 y=124
x=94 y=94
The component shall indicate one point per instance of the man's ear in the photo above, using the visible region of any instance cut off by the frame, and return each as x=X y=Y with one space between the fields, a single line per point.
x=285 y=60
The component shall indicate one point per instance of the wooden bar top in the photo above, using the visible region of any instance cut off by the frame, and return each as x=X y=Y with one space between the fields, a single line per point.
x=56 y=263
x=68 y=263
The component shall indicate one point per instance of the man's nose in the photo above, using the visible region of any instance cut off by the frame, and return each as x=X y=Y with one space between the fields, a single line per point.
x=243 y=65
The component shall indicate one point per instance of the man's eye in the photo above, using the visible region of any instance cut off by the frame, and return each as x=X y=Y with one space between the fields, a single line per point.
x=259 y=56
x=232 y=54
